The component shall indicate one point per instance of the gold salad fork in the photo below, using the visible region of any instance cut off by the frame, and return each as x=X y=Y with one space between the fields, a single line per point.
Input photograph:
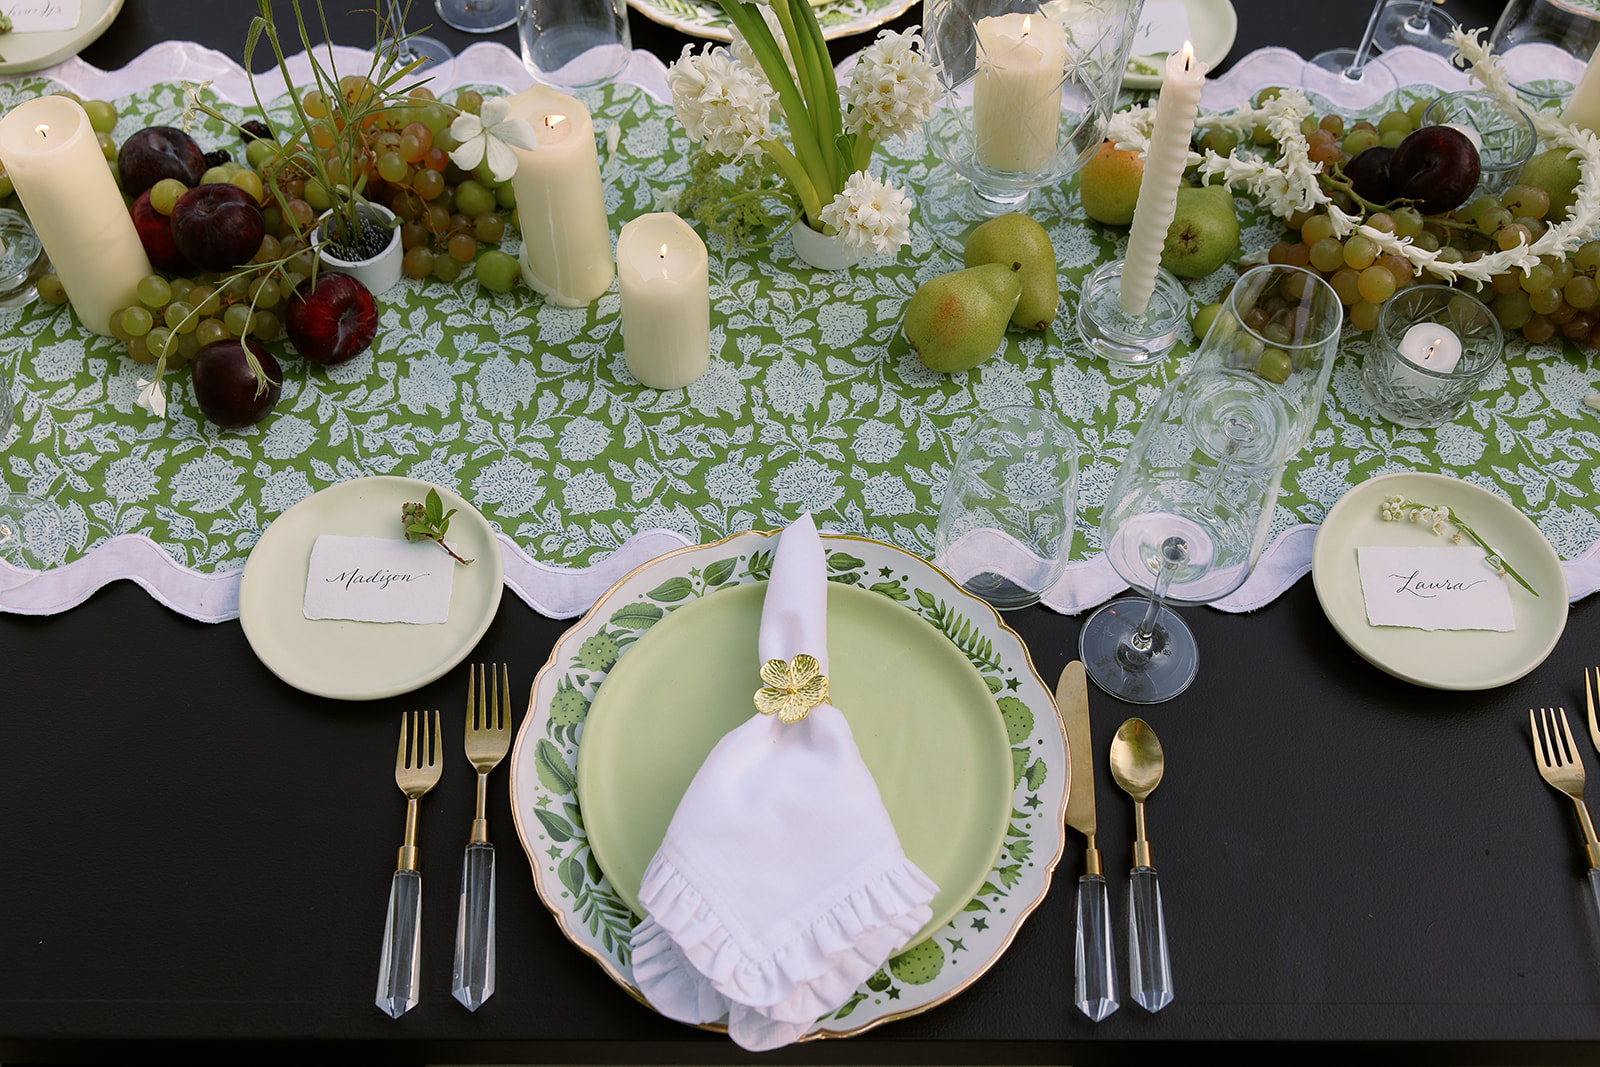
x=488 y=736
x=1562 y=767
x=416 y=770
x=1590 y=689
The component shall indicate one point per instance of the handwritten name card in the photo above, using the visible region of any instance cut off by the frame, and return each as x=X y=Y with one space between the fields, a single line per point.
x=376 y=579
x=41 y=16
x=1434 y=588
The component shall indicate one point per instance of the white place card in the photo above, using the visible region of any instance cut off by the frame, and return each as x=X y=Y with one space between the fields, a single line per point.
x=1163 y=27
x=378 y=579
x=41 y=16
x=1434 y=588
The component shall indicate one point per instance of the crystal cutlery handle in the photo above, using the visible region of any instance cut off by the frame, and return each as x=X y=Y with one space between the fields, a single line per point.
x=1095 y=979
x=472 y=980
x=1149 y=970
x=1594 y=888
x=399 y=968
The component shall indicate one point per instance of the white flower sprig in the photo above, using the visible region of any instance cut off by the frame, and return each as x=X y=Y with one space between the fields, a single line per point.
x=1444 y=521
x=491 y=134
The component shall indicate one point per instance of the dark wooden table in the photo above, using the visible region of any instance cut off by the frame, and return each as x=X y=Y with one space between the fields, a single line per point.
x=196 y=856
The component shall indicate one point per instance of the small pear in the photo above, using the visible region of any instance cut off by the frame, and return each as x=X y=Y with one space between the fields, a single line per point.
x=1204 y=232
x=1024 y=245
x=958 y=320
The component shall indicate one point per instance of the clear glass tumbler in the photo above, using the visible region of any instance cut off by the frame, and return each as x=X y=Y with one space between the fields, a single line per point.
x=574 y=43
x=1505 y=134
x=1005 y=526
x=1544 y=45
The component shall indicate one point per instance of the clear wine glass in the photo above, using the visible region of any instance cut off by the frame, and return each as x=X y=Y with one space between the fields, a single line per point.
x=477 y=16
x=1352 y=77
x=415 y=48
x=1420 y=23
x=1192 y=504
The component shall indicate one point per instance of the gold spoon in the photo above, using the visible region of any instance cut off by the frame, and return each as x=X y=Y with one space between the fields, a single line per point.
x=1136 y=765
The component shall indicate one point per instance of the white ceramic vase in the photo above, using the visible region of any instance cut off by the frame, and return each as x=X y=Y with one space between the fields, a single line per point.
x=380 y=272
x=821 y=251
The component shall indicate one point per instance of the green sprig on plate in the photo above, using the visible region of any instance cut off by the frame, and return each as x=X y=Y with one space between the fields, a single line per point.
x=429 y=521
x=1395 y=508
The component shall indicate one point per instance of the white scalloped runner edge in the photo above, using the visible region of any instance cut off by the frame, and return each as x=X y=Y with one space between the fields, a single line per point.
x=566 y=592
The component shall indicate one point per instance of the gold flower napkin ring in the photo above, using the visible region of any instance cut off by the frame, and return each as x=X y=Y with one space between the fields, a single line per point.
x=792 y=688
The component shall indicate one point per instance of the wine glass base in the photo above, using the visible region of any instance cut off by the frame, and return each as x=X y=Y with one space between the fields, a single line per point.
x=477 y=16
x=431 y=52
x=1400 y=24
x=22 y=518
x=1328 y=74
x=1135 y=340
x=1105 y=647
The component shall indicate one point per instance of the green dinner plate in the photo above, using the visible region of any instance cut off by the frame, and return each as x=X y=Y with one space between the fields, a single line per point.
x=924 y=720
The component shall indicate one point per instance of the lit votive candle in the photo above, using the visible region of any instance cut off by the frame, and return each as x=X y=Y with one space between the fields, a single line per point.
x=662 y=276
x=561 y=203
x=1432 y=346
x=1016 y=98
x=51 y=155
x=1164 y=161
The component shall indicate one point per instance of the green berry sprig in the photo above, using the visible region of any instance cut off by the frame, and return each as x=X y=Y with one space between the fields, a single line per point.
x=429 y=522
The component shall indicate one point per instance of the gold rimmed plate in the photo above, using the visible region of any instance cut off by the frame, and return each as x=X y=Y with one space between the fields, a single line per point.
x=959 y=731
x=838 y=18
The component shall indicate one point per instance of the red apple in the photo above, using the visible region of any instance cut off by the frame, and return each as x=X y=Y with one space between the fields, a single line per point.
x=230 y=392
x=332 y=320
x=155 y=233
x=157 y=152
x=217 y=226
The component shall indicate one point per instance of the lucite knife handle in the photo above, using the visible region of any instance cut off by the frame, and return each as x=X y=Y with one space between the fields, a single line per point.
x=1149 y=970
x=472 y=978
x=1094 y=983
x=1594 y=888
x=399 y=968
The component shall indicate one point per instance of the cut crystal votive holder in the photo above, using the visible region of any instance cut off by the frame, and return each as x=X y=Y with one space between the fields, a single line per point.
x=1410 y=393
x=1505 y=133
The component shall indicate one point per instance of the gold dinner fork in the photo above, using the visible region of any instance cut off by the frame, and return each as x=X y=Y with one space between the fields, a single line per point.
x=487 y=738
x=416 y=770
x=1562 y=767
x=1589 y=691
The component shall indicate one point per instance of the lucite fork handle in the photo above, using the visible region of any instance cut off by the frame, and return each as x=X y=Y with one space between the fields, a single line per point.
x=399 y=968
x=1149 y=970
x=1094 y=984
x=472 y=980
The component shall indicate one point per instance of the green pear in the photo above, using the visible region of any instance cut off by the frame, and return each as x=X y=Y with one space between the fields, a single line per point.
x=958 y=320
x=1557 y=175
x=1204 y=232
x=1024 y=245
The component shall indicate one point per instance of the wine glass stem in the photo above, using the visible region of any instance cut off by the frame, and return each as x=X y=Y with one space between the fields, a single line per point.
x=1419 y=18
x=1364 y=49
x=1174 y=551
x=397 y=26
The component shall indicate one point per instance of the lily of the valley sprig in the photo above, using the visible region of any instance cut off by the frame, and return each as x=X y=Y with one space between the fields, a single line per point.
x=726 y=103
x=1440 y=520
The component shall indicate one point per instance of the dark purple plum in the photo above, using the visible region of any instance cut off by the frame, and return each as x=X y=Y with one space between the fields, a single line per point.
x=218 y=225
x=230 y=392
x=333 y=320
x=1437 y=167
x=1368 y=172
x=157 y=152
x=155 y=233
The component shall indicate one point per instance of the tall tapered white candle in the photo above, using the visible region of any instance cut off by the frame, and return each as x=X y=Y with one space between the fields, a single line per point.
x=1163 y=170
x=561 y=203
x=1016 y=97
x=50 y=153
x=1583 y=110
x=666 y=302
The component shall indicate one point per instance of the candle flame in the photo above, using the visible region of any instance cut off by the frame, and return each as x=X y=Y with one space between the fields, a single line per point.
x=551 y=121
x=43 y=129
x=1027 y=24
x=1437 y=341
x=663 y=251
x=1188 y=54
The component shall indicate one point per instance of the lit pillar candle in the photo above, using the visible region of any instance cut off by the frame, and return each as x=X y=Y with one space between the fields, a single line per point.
x=666 y=300
x=1583 y=110
x=1163 y=170
x=1429 y=345
x=1016 y=98
x=561 y=203
x=51 y=155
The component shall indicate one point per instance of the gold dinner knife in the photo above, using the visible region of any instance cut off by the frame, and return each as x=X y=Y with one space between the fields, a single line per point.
x=1095 y=977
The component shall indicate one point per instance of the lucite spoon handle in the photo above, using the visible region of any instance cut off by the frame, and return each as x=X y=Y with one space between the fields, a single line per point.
x=472 y=980
x=1149 y=970
x=1095 y=976
x=399 y=969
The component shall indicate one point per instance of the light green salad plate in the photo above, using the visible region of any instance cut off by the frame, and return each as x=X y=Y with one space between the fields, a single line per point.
x=838 y=18
x=961 y=735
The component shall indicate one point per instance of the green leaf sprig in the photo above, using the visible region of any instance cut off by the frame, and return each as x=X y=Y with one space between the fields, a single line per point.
x=429 y=522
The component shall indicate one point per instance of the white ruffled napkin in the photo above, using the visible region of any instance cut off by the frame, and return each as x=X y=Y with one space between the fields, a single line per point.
x=781 y=885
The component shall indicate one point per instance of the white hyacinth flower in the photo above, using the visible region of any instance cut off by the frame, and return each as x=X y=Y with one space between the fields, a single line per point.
x=893 y=88
x=491 y=134
x=870 y=215
x=721 y=103
x=152 y=398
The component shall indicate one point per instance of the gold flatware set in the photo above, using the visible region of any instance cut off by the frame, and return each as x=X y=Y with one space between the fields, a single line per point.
x=418 y=766
x=1561 y=764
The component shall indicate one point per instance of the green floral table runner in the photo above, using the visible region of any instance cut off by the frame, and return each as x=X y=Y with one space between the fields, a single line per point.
x=813 y=401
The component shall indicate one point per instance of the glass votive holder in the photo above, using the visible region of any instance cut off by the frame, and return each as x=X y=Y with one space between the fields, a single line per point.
x=1432 y=347
x=22 y=261
x=1505 y=134
x=1543 y=46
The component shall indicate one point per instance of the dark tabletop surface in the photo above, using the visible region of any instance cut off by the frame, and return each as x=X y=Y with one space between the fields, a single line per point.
x=196 y=856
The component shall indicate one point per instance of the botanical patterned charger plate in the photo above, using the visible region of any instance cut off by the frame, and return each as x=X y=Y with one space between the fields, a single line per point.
x=839 y=18
x=547 y=801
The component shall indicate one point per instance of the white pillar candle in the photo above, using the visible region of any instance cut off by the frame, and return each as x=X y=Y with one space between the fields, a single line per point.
x=51 y=155
x=1163 y=170
x=1583 y=110
x=1016 y=99
x=561 y=203
x=1429 y=345
x=663 y=279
